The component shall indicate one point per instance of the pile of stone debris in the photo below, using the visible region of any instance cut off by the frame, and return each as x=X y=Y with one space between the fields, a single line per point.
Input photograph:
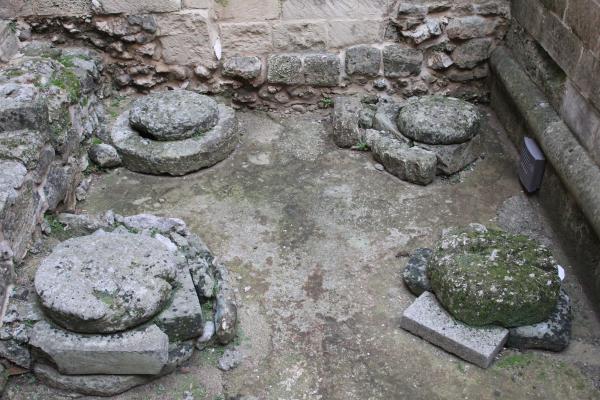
x=124 y=301
x=414 y=140
x=480 y=289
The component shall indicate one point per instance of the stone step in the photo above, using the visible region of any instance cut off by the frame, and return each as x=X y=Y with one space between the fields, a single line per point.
x=142 y=351
x=479 y=345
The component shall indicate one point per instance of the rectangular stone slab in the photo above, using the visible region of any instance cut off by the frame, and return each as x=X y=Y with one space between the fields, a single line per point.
x=428 y=319
x=137 y=352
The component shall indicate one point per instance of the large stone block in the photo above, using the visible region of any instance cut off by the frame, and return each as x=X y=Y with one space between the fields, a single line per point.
x=285 y=68
x=292 y=36
x=583 y=17
x=22 y=107
x=560 y=42
x=470 y=27
x=137 y=6
x=142 y=352
x=346 y=110
x=248 y=10
x=557 y=6
x=426 y=318
x=15 y=8
x=319 y=9
x=363 y=60
x=322 y=69
x=399 y=61
x=9 y=44
x=344 y=33
x=241 y=67
x=187 y=37
x=472 y=52
x=247 y=38
x=197 y=3
x=22 y=145
x=63 y=7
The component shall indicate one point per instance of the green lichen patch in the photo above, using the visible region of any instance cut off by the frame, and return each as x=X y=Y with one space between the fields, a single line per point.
x=493 y=277
x=69 y=82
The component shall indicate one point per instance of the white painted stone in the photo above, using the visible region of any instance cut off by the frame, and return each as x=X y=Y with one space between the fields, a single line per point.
x=479 y=345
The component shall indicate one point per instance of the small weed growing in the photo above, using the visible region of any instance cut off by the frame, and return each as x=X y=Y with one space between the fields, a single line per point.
x=362 y=146
x=326 y=102
x=54 y=223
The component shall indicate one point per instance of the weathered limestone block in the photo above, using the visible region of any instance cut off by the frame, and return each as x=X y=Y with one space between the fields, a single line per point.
x=16 y=8
x=22 y=145
x=349 y=32
x=247 y=68
x=182 y=319
x=363 y=60
x=9 y=44
x=345 y=118
x=472 y=52
x=243 y=38
x=470 y=27
x=399 y=61
x=226 y=308
x=294 y=36
x=319 y=9
x=453 y=158
x=415 y=273
x=137 y=6
x=428 y=319
x=248 y=10
x=22 y=107
x=285 y=68
x=62 y=7
x=105 y=283
x=321 y=69
x=187 y=37
x=144 y=351
x=104 y=155
x=7 y=270
x=411 y=164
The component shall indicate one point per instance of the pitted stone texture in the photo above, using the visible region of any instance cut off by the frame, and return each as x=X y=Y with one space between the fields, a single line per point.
x=411 y=164
x=104 y=155
x=173 y=115
x=485 y=277
x=321 y=69
x=242 y=67
x=363 y=60
x=142 y=351
x=553 y=334
x=345 y=118
x=285 y=68
x=439 y=120
x=176 y=157
x=415 y=273
x=22 y=107
x=22 y=145
x=426 y=318
x=453 y=158
x=399 y=61
x=105 y=283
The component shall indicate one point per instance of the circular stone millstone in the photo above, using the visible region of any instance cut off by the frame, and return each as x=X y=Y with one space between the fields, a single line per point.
x=106 y=283
x=439 y=120
x=490 y=277
x=173 y=115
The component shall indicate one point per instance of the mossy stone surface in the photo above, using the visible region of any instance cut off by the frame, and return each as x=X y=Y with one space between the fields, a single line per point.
x=485 y=277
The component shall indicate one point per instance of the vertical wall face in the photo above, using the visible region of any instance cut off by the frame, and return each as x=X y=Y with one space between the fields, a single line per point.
x=568 y=31
x=271 y=51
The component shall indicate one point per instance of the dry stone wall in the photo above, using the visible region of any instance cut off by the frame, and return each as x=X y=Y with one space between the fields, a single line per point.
x=280 y=51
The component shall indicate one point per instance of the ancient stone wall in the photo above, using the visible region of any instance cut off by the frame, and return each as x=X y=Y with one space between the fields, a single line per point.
x=558 y=42
x=281 y=51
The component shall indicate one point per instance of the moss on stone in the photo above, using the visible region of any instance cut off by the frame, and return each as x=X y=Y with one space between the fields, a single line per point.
x=493 y=277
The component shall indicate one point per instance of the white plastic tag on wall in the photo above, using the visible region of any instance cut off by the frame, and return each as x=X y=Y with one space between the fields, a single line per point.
x=217 y=48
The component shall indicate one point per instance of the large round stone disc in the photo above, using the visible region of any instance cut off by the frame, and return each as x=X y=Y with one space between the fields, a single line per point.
x=489 y=277
x=439 y=120
x=105 y=283
x=173 y=115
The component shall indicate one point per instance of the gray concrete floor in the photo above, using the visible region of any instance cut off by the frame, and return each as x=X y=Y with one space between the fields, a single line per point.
x=316 y=239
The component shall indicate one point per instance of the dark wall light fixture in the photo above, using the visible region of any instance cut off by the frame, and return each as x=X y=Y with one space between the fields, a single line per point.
x=532 y=165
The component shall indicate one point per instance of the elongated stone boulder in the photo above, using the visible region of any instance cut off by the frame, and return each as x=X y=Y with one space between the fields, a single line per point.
x=490 y=277
x=173 y=115
x=439 y=120
x=106 y=283
x=142 y=351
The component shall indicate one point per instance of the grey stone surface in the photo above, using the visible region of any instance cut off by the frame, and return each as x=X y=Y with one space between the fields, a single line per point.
x=426 y=318
x=439 y=120
x=143 y=351
x=22 y=145
x=22 y=107
x=321 y=69
x=142 y=222
x=385 y=120
x=345 y=118
x=182 y=318
x=415 y=273
x=484 y=276
x=85 y=224
x=471 y=26
x=242 y=67
x=226 y=308
x=105 y=283
x=363 y=60
x=173 y=115
x=553 y=334
x=285 y=68
x=15 y=352
x=9 y=43
x=104 y=155
x=230 y=359
x=411 y=164
x=176 y=157
x=472 y=52
x=399 y=61
x=453 y=158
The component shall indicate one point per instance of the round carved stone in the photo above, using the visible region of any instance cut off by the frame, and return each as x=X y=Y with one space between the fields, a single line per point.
x=176 y=157
x=490 y=277
x=106 y=283
x=173 y=115
x=439 y=120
